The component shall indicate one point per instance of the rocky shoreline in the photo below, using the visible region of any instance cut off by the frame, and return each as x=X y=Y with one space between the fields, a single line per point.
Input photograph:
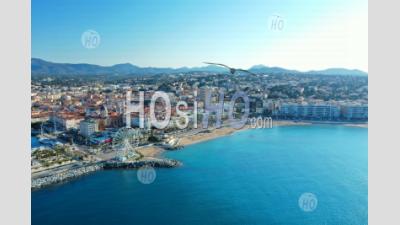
x=37 y=183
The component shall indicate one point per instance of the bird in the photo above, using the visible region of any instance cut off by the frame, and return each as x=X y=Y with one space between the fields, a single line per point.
x=232 y=70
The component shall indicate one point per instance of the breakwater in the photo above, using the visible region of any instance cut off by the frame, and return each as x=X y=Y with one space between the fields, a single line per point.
x=64 y=176
x=37 y=183
x=154 y=162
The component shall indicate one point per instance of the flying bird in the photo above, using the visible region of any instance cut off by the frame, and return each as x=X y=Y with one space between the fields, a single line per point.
x=232 y=70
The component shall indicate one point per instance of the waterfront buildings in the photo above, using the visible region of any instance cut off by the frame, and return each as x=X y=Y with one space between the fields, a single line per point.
x=322 y=112
x=355 y=112
x=317 y=112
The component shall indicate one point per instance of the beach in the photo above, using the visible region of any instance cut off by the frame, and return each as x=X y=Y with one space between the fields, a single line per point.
x=205 y=136
x=150 y=151
x=361 y=125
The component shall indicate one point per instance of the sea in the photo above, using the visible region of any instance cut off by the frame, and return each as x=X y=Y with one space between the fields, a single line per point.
x=289 y=175
x=35 y=142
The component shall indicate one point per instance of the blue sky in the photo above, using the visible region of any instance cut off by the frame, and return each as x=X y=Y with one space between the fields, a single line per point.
x=174 y=33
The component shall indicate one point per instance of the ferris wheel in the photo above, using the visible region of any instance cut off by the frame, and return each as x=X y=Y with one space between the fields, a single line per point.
x=125 y=141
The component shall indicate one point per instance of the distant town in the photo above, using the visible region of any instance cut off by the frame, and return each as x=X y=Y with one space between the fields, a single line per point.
x=79 y=120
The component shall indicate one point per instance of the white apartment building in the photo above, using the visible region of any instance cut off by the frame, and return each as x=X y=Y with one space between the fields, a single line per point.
x=318 y=112
x=66 y=122
x=88 y=127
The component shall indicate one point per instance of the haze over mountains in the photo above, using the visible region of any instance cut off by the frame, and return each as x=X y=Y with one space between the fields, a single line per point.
x=42 y=67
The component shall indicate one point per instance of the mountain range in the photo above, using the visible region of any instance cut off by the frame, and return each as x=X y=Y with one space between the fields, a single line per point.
x=42 y=67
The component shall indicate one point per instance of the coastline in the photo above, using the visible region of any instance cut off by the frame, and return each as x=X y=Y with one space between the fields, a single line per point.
x=152 y=154
x=225 y=131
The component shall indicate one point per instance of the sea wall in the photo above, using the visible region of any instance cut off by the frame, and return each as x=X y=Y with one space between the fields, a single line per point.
x=64 y=176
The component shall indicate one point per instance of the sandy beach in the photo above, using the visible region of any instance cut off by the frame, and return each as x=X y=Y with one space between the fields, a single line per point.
x=361 y=125
x=278 y=123
x=205 y=136
x=150 y=151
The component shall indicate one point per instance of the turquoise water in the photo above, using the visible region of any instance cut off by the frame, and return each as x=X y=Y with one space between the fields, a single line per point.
x=35 y=142
x=251 y=177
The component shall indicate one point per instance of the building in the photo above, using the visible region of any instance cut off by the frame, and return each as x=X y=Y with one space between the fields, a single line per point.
x=353 y=112
x=309 y=112
x=66 y=121
x=39 y=117
x=88 y=127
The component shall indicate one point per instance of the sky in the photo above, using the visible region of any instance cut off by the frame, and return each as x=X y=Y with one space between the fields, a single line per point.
x=308 y=35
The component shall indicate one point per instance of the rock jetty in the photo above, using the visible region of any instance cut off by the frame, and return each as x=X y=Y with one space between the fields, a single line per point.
x=63 y=176
x=153 y=162
x=37 y=183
